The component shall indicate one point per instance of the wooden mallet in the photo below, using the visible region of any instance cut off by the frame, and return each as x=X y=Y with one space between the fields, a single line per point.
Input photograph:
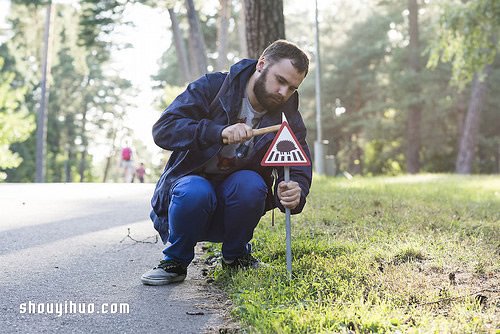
x=261 y=131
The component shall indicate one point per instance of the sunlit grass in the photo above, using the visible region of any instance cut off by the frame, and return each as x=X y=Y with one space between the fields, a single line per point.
x=410 y=254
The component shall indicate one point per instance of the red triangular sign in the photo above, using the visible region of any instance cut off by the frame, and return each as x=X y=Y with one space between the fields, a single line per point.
x=285 y=150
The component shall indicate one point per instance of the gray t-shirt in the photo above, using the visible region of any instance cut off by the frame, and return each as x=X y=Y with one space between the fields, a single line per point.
x=227 y=160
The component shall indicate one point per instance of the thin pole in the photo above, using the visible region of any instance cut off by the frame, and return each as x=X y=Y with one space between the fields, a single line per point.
x=41 y=129
x=288 y=231
x=318 y=144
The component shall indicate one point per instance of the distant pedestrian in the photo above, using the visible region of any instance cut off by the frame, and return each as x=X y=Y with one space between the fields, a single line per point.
x=140 y=171
x=127 y=164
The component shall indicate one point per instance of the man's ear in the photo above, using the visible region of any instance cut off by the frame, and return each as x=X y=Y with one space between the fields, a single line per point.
x=260 y=64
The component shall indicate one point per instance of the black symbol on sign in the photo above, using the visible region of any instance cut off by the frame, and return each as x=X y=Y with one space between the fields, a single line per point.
x=285 y=146
x=286 y=152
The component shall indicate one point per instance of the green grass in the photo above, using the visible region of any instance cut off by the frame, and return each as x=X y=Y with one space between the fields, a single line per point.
x=412 y=254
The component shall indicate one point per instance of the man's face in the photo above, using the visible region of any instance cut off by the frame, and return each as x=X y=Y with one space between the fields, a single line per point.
x=276 y=83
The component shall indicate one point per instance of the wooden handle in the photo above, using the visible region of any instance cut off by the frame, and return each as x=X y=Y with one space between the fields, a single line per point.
x=261 y=131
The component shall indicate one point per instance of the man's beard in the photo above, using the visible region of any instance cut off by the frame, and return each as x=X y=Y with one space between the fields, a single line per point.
x=269 y=101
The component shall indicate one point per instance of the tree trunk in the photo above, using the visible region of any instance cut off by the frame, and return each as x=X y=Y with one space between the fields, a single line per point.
x=265 y=23
x=83 y=161
x=468 y=140
x=415 y=109
x=198 y=53
x=69 y=124
x=497 y=159
x=180 y=47
x=460 y=111
x=70 y=158
x=355 y=166
x=110 y=156
x=242 y=31
x=223 y=34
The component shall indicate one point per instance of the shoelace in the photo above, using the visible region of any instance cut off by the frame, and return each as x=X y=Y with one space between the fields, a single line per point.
x=166 y=264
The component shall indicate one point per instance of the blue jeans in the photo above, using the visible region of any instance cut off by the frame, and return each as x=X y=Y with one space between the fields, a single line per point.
x=201 y=210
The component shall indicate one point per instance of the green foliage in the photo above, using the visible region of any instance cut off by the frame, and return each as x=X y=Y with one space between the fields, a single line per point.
x=34 y=3
x=364 y=70
x=169 y=69
x=383 y=158
x=169 y=72
x=364 y=60
x=15 y=123
x=356 y=86
x=86 y=102
x=467 y=37
x=489 y=136
x=169 y=94
x=374 y=255
x=97 y=20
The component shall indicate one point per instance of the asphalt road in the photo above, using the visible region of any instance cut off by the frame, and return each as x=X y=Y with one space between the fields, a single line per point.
x=68 y=264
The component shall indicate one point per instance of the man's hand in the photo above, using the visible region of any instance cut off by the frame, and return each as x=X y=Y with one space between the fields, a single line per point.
x=237 y=133
x=289 y=194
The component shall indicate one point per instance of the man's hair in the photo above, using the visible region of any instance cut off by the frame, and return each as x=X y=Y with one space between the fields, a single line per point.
x=282 y=49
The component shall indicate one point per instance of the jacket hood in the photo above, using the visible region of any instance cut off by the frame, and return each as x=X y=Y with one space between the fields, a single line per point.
x=244 y=65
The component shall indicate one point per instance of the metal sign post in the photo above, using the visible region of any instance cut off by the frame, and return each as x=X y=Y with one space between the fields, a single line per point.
x=288 y=230
x=286 y=151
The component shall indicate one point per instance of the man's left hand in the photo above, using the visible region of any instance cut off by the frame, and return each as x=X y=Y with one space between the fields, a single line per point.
x=289 y=194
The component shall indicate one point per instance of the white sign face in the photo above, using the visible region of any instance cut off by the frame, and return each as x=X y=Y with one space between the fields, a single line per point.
x=285 y=150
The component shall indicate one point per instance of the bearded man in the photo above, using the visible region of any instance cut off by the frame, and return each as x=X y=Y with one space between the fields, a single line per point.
x=213 y=187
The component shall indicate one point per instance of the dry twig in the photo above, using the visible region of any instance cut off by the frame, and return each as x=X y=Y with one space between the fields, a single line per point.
x=128 y=236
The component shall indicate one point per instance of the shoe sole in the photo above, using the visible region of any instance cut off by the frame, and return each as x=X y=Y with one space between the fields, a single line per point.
x=152 y=281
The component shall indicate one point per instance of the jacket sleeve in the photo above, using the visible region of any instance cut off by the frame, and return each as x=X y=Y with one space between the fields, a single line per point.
x=300 y=174
x=185 y=124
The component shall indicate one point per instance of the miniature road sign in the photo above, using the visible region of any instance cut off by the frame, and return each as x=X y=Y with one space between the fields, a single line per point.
x=286 y=151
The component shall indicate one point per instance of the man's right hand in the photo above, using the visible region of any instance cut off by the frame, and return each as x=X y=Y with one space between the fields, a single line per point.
x=237 y=133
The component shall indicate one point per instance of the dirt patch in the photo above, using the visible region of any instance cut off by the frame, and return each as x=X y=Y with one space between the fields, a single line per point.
x=438 y=289
x=214 y=299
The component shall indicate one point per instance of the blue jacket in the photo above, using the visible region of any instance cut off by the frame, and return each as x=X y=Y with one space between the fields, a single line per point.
x=191 y=128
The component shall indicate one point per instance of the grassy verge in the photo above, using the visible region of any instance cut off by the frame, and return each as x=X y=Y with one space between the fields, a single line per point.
x=406 y=254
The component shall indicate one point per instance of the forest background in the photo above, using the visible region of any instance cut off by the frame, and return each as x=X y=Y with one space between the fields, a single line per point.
x=406 y=86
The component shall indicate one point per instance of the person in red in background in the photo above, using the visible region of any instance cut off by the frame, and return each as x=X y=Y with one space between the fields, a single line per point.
x=140 y=171
x=127 y=164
